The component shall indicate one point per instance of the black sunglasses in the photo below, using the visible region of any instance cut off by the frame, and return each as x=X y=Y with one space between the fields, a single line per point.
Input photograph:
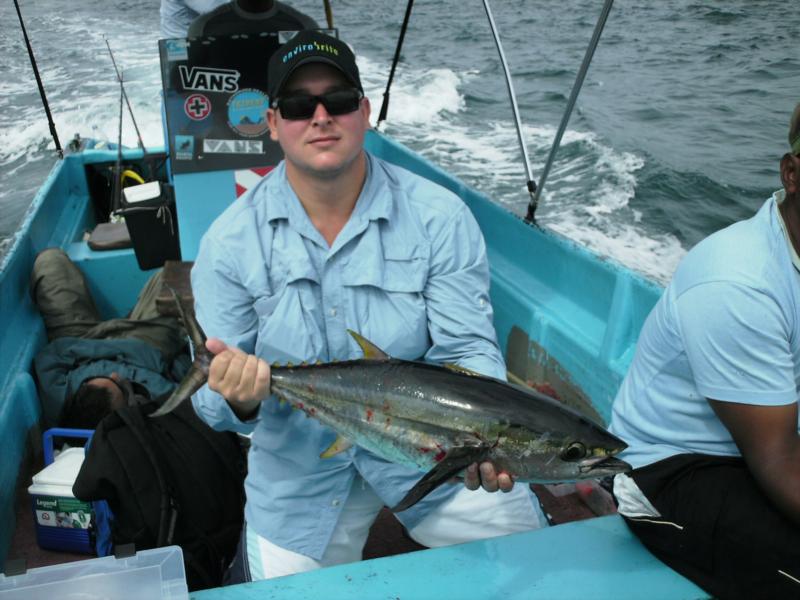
x=302 y=106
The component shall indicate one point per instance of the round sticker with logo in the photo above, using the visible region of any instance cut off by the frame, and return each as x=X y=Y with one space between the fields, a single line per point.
x=197 y=107
x=247 y=112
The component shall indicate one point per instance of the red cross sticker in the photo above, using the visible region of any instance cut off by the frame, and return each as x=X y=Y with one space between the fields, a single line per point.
x=197 y=107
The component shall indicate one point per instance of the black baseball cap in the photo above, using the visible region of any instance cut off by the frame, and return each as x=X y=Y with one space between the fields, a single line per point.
x=310 y=46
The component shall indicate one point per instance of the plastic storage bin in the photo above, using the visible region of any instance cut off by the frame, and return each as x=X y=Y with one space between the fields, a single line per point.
x=155 y=574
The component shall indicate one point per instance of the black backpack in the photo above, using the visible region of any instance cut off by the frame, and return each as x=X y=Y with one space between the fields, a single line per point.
x=169 y=480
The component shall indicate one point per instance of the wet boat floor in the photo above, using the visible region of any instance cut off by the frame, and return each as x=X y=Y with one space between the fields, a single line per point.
x=561 y=503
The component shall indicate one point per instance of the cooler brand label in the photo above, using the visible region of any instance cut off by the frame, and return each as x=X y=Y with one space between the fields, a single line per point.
x=68 y=513
x=46 y=503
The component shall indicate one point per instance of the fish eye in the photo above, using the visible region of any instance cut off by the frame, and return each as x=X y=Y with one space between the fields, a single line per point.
x=575 y=451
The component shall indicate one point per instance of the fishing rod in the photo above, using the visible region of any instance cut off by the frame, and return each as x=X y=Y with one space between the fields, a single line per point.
x=530 y=184
x=576 y=88
x=125 y=96
x=50 y=122
x=395 y=60
x=328 y=13
x=116 y=190
x=145 y=158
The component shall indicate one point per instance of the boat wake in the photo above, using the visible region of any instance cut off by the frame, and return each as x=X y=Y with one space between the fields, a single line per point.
x=590 y=187
x=587 y=197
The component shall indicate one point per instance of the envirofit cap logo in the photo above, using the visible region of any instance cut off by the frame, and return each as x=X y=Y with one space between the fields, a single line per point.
x=312 y=47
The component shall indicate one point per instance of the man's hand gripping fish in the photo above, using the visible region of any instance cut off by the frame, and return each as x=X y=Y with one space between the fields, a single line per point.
x=439 y=419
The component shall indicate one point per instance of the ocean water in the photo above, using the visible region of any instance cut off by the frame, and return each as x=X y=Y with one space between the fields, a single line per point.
x=678 y=130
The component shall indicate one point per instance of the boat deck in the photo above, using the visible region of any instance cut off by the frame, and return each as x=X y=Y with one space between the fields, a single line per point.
x=387 y=536
x=543 y=564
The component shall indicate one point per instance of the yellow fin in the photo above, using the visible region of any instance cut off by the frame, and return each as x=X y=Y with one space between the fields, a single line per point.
x=340 y=444
x=370 y=350
x=463 y=370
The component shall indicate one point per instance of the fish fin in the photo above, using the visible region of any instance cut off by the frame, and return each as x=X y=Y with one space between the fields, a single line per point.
x=340 y=444
x=193 y=381
x=463 y=370
x=456 y=460
x=370 y=350
x=190 y=323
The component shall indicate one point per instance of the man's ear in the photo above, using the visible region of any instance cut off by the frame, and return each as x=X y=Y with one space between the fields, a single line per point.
x=272 y=119
x=790 y=173
x=365 y=108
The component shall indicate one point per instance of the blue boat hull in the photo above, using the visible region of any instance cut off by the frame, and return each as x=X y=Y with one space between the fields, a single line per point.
x=567 y=321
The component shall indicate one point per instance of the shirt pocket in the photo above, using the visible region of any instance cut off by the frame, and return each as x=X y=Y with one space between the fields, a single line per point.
x=289 y=320
x=265 y=306
x=387 y=304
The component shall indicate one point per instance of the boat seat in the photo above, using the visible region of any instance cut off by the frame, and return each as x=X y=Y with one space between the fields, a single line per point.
x=176 y=276
x=109 y=236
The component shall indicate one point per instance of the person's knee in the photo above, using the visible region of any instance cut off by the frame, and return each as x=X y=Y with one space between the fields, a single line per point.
x=50 y=256
x=474 y=515
x=49 y=260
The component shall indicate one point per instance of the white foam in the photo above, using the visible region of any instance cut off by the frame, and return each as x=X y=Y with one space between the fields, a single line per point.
x=586 y=198
x=83 y=93
x=653 y=256
x=417 y=97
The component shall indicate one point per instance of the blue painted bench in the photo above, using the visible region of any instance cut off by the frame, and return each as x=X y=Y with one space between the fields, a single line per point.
x=596 y=558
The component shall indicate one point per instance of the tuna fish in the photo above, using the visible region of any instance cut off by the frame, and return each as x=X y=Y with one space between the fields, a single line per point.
x=439 y=419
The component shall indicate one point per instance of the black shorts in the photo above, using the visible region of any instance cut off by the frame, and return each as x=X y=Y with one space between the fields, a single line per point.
x=717 y=527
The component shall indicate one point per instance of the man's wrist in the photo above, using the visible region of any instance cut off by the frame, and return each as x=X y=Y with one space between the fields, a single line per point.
x=245 y=411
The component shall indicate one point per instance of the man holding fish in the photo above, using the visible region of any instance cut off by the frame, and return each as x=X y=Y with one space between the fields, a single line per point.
x=336 y=239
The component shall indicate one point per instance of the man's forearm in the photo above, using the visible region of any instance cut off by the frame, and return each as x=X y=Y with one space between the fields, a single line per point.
x=779 y=478
x=768 y=440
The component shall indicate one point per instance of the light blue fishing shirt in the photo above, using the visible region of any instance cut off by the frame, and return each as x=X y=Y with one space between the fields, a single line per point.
x=728 y=328
x=408 y=271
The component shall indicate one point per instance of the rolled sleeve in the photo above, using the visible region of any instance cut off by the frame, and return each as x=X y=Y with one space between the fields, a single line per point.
x=457 y=298
x=737 y=343
x=224 y=310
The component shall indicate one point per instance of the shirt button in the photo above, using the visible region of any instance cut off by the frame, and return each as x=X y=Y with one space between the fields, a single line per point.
x=333 y=312
x=335 y=502
x=482 y=302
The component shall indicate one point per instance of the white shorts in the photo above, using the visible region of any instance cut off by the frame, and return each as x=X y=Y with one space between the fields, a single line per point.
x=467 y=516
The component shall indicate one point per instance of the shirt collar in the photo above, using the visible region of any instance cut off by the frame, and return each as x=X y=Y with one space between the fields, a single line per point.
x=780 y=196
x=373 y=203
x=375 y=200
